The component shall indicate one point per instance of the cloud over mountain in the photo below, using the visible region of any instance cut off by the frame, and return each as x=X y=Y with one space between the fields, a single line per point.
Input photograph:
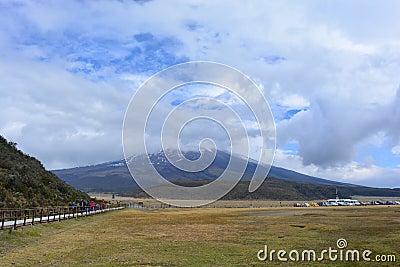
x=328 y=69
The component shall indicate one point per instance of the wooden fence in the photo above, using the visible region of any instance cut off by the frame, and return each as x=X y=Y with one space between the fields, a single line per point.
x=13 y=218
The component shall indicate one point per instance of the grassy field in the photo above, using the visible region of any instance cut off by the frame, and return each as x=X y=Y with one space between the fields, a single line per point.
x=202 y=237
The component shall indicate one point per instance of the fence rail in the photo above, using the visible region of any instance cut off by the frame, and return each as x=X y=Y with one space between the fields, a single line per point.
x=13 y=218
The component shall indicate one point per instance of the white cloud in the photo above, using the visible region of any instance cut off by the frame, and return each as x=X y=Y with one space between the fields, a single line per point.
x=13 y=128
x=58 y=117
x=69 y=69
x=396 y=150
x=367 y=174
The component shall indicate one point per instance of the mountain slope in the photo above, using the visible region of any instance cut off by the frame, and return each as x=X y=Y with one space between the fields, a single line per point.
x=282 y=184
x=292 y=176
x=24 y=182
x=105 y=177
x=115 y=177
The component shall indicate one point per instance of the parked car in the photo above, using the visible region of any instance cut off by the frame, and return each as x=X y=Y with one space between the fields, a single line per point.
x=332 y=202
x=314 y=204
x=390 y=203
x=306 y=205
x=376 y=202
x=296 y=205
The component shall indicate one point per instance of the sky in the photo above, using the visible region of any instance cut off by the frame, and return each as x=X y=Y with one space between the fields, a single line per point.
x=329 y=70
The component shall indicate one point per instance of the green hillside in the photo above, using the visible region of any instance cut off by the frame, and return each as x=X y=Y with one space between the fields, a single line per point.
x=24 y=182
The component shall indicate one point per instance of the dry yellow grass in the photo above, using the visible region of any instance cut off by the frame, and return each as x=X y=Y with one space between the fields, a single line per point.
x=200 y=236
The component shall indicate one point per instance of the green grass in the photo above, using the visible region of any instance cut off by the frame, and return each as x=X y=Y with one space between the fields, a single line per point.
x=201 y=237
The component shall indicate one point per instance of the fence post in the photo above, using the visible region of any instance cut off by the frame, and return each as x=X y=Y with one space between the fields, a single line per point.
x=24 y=217
x=3 y=214
x=33 y=216
x=41 y=215
x=15 y=219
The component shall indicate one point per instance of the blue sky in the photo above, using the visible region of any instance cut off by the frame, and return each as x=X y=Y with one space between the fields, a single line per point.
x=329 y=69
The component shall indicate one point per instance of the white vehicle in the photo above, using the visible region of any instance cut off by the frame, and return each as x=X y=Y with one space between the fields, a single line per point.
x=332 y=202
x=353 y=202
x=343 y=202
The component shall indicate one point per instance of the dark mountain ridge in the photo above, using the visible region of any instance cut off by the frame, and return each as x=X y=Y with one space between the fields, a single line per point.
x=281 y=184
